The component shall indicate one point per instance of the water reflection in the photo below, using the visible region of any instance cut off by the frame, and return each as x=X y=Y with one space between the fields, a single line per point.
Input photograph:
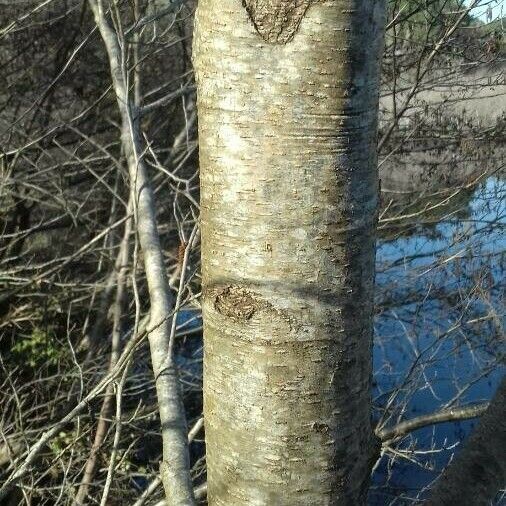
x=438 y=328
x=438 y=331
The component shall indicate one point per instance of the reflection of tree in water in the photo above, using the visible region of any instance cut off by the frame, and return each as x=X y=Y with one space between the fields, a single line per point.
x=439 y=328
x=420 y=213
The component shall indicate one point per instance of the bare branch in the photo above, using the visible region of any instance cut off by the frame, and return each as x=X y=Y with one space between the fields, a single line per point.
x=447 y=415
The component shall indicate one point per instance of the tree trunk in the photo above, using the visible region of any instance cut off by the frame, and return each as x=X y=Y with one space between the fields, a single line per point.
x=175 y=467
x=287 y=100
x=479 y=471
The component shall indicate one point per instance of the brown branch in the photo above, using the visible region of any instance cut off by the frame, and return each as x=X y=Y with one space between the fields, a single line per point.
x=119 y=305
x=34 y=451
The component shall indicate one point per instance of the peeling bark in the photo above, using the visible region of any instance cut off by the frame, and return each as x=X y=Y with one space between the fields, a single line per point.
x=289 y=198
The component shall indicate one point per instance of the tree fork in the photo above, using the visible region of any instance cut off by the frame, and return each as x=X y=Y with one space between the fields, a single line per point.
x=287 y=101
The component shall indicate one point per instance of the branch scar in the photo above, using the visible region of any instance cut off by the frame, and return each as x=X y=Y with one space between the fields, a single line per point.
x=277 y=21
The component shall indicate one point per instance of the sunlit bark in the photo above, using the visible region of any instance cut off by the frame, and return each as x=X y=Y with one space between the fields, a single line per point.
x=287 y=101
x=175 y=467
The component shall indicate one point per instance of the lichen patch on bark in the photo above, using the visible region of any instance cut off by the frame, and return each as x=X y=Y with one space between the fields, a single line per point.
x=277 y=21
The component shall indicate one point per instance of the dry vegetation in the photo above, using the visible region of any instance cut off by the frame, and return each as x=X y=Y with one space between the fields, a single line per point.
x=74 y=360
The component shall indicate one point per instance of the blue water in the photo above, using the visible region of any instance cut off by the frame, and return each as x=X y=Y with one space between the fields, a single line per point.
x=435 y=340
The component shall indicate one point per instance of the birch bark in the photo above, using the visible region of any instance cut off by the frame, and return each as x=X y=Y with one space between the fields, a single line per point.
x=287 y=102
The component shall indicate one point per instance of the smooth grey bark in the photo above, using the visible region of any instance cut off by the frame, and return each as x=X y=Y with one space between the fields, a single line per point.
x=287 y=102
x=175 y=467
x=479 y=471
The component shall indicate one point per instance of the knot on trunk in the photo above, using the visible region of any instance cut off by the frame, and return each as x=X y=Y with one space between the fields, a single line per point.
x=277 y=21
x=236 y=302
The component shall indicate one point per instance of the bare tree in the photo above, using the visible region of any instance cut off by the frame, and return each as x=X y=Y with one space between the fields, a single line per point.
x=175 y=467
